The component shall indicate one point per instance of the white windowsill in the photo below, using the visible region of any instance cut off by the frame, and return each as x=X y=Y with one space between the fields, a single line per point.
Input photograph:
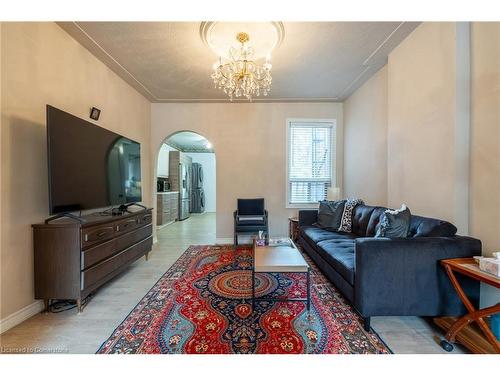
x=310 y=206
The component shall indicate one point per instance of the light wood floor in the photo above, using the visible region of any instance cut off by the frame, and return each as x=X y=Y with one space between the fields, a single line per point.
x=69 y=332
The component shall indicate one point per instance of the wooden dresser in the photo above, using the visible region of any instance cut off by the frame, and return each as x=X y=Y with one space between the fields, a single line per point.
x=167 y=207
x=73 y=259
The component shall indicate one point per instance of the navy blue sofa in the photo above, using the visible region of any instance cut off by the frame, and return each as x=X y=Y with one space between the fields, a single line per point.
x=391 y=277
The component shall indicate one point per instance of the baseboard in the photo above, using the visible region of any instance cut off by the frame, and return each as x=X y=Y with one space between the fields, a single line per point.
x=242 y=240
x=223 y=241
x=20 y=316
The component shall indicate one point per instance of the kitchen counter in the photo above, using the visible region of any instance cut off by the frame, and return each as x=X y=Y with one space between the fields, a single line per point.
x=167 y=207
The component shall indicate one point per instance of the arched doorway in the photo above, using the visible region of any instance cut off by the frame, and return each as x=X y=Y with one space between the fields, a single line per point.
x=185 y=181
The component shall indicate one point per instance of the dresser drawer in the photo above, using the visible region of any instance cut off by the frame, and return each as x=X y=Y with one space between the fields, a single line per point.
x=97 y=234
x=97 y=253
x=127 y=225
x=131 y=238
x=98 y=274
x=145 y=219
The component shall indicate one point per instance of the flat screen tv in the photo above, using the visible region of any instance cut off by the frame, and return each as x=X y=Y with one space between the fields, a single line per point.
x=89 y=166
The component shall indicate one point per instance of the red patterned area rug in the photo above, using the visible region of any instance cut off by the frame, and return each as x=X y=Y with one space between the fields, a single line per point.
x=202 y=304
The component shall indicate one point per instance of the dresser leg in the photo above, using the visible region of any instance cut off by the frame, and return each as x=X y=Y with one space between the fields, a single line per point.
x=79 y=305
x=146 y=256
x=47 y=305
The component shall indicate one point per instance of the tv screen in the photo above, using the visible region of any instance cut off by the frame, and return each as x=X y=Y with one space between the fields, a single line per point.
x=89 y=166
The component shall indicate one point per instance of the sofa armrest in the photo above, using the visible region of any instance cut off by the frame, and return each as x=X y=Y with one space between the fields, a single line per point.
x=403 y=276
x=307 y=217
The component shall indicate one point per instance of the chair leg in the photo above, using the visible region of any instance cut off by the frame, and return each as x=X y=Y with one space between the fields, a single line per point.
x=366 y=324
x=235 y=239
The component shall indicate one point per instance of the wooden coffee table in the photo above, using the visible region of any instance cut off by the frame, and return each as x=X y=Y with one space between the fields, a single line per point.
x=280 y=259
x=460 y=328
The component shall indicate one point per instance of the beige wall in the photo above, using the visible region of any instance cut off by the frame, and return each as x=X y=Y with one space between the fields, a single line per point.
x=365 y=141
x=421 y=102
x=485 y=141
x=427 y=159
x=1 y=168
x=249 y=140
x=42 y=64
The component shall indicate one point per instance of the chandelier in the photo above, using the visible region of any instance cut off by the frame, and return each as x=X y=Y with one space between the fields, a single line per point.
x=240 y=75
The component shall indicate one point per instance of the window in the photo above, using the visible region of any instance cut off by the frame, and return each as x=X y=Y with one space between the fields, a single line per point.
x=311 y=162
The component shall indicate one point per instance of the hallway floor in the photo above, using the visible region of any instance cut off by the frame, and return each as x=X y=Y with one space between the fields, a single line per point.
x=69 y=332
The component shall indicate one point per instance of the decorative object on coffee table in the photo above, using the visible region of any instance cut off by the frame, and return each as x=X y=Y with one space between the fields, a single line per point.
x=261 y=239
x=293 y=228
x=460 y=328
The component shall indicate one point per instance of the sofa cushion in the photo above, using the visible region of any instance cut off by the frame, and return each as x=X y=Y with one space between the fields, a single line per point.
x=314 y=235
x=251 y=221
x=428 y=227
x=339 y=253
x=364 y=219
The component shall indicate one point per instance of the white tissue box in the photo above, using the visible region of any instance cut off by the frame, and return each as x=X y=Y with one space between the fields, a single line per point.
x=490 y=265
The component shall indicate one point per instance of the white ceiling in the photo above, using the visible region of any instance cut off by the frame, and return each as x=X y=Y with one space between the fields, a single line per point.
x=189 y=142
x=169 y=62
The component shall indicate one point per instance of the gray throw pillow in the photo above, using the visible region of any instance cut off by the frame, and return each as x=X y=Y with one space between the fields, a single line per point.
x=330 y=214
x=394 y=223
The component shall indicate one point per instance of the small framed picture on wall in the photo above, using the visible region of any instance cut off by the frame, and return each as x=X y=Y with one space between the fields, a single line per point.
x=95 y=113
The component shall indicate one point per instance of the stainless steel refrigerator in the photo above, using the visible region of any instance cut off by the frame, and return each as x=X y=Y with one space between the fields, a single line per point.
x=184 y=191
x=197 y=193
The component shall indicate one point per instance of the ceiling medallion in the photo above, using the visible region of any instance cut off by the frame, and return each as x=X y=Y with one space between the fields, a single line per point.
x=242 y=71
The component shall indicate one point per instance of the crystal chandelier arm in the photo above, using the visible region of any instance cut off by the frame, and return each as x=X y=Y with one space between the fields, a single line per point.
x=242 y=76
x=221 y=71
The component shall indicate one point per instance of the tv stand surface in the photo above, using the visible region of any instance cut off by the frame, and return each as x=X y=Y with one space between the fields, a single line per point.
x=124 y=207
x=74 y=258
x=65 y=214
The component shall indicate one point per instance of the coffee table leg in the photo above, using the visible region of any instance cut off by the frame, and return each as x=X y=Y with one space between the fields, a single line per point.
x=253 y=288
x=308 y=291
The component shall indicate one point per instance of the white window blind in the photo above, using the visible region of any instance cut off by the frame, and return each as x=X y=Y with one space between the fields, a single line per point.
x=310 y=161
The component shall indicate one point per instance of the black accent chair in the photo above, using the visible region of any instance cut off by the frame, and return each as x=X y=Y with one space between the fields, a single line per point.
x=250 y=217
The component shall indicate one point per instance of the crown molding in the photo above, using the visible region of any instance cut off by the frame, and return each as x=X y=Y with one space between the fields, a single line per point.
x=254 y=100
x=372 y=63
x=82 y=37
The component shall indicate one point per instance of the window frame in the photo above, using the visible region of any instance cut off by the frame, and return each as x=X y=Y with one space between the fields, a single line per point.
x=312 y=122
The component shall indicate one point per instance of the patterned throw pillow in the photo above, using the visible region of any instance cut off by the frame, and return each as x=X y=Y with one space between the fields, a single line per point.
x=346 y=223
x=394 y=223
x=330 y=214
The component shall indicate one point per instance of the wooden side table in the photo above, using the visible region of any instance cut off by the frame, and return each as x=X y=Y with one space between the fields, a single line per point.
x=460 y=328
x=293 y=228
